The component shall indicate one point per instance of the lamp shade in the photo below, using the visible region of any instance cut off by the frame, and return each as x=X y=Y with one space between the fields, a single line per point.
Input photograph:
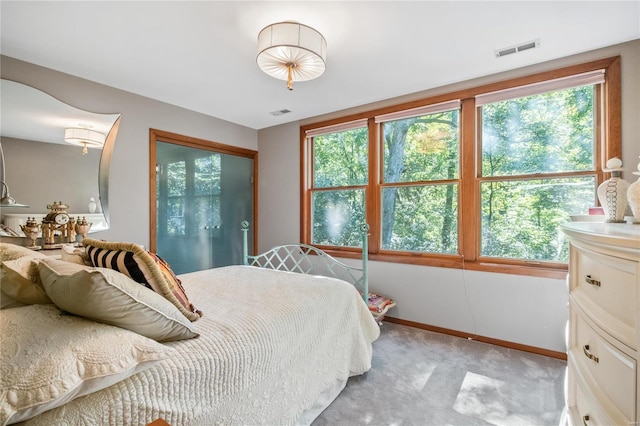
x=292 y=52
x=6 y=200
x=84 y=137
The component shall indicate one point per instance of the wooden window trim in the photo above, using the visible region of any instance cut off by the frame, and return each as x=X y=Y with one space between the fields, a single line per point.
x=608 y=135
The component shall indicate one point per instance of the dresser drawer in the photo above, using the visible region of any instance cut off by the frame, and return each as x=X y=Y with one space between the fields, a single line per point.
x=605 y=286
x=584 y=409
x=603 y=367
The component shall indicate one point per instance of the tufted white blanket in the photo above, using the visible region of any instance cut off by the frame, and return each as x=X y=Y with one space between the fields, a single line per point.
x=274 y=349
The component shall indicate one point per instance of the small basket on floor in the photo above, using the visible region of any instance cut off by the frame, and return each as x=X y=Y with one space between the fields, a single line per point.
x=379 y=305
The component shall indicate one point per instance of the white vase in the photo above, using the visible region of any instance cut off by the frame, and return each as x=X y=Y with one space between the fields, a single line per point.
x=612 y=193
x=92 y=205
x=633 y=196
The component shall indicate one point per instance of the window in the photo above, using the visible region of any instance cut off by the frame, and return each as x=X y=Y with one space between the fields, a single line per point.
x=537 y=168
x=479 y=178
x=340 y=178
x=420 y=179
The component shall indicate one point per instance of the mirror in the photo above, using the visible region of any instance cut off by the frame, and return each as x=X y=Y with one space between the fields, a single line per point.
x=40 y=168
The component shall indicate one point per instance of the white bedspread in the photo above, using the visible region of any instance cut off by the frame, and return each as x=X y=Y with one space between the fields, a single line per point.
x=270 y=344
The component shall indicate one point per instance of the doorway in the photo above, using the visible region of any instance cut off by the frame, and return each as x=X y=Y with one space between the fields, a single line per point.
x=200 y=193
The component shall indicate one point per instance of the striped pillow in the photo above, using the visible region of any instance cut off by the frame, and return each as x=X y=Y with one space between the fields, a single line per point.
x=143 y=267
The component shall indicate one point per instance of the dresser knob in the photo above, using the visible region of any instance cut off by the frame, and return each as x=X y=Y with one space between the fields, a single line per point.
x=591 y=281
x=585 y=419
x=589 y=355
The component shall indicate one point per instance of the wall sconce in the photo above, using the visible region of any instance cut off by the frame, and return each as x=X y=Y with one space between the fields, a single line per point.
x=6 y=200
x=292 y=52
x=86 y=138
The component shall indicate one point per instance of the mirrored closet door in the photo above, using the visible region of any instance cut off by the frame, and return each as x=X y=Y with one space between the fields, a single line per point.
x=202 y=194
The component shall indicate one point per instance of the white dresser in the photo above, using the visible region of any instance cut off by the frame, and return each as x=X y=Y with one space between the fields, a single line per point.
x=603 y=385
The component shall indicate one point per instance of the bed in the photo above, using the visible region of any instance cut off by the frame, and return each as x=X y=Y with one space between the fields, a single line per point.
x=271 y=346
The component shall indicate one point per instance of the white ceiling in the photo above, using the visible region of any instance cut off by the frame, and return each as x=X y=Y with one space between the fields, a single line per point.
x=201 y=55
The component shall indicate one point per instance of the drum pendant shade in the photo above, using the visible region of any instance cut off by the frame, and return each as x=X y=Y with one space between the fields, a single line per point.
x=84 y=138
x=291 y=52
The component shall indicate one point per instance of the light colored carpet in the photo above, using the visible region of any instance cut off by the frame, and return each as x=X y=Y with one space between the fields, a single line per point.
x=423 y=378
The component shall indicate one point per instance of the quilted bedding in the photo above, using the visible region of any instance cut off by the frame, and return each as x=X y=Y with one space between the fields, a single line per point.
x=271 y=345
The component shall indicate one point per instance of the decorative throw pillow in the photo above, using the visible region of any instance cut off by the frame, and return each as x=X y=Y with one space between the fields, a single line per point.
x=62 y=267
x=19 y=277
x=143 y=267
x=20 y=280
x=7 y=301
x=110 y=297
x=19 y=287
x=49 y=358
x=10 y=251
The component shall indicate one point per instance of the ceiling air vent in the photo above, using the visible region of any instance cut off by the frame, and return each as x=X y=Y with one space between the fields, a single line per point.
x=518 y=48
x=280 y=112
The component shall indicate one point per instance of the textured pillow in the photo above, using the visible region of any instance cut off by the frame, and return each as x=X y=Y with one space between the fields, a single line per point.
x=110 y=297
x=7 y=301
x=143 y=267
x=49 y=358
x=14 y=284
x=62 y=267
x=20 y=280
x=10 y=251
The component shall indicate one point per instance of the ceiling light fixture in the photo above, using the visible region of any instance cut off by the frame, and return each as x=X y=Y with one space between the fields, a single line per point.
x=292 y=52
x=84 y=138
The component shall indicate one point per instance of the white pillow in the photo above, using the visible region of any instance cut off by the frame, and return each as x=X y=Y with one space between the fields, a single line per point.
x=111 y=297
x=7 y=301
x=144 y=267
x=49 y=358
x=10 y=251
x=73 y=254
x=20 y=280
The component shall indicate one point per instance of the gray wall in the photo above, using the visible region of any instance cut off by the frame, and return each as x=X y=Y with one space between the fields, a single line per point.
x=129 y=175
x=55 y=173
x=526 y=310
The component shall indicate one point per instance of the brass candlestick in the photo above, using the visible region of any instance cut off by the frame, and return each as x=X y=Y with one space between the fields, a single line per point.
x=31 y=229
